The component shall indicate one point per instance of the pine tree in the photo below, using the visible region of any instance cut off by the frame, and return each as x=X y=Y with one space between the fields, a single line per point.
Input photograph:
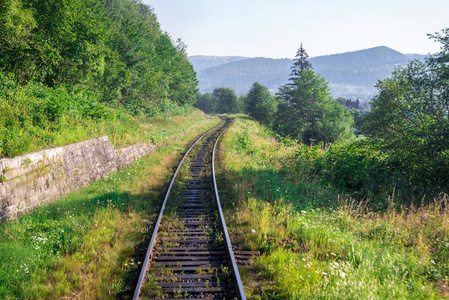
x=300 y=64
x=307 y=111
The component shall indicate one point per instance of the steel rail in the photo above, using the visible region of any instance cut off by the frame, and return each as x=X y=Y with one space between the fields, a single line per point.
x=237 y=280
x=153 y=237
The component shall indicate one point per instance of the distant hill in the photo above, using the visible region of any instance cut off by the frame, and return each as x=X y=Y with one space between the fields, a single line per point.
x=351 y=74
x=241 y=74
x=201 y=62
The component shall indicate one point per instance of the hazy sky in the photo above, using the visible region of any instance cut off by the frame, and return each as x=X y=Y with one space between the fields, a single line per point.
x=275 y=28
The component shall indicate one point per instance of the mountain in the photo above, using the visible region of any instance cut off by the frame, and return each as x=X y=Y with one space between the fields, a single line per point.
x=350 y=75
x=240 y=75
x=202 y=62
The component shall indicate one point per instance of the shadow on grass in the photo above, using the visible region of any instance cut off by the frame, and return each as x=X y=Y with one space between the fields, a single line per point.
x=270 y=186
x=274 y=186
x=132 y=275
x=139 y=251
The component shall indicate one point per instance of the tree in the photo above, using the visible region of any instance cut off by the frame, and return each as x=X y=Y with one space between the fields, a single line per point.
x=307 y=90
x=113 y=48
x=50 y=41
x=16 y=25
x=205 y=102
x=226 y=101
x=300 y=64
x=308 y=112
x=305 y=99
x=241 y=103
x=288 y=122
x=305 y=87
x=409 y=118
x=336 y=123
x=183 y=82
x=260 y=104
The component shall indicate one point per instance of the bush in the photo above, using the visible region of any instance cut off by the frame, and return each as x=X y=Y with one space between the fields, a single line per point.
x=35 y=117
x=359 y=168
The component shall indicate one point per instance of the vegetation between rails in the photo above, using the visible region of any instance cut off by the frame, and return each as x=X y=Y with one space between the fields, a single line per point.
x=86 y=244
x=316 y=243
x=172 y=219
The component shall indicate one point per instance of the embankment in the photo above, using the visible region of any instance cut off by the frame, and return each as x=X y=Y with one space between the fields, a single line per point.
x=36 y=178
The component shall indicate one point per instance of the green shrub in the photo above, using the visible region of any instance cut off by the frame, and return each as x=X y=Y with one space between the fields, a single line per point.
x=35 y=117
x=359 y=168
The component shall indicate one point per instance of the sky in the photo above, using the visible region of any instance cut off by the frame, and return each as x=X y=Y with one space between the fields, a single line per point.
x=276 y=28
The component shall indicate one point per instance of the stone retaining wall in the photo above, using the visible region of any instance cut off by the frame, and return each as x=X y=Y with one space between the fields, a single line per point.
x=33 y=179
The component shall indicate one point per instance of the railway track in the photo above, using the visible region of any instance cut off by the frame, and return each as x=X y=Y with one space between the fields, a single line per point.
x=190 y=254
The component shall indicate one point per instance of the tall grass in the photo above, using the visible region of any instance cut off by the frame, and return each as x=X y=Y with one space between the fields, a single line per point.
x=86 y=245
x=317 y=244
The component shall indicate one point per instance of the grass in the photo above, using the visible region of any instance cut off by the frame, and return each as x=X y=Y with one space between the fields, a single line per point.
x=317 y=244
x=34 y=117
x=89 y=244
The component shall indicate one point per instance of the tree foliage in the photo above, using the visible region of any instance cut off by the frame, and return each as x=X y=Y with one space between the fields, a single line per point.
x=226 y=101
x=115 y=48
x=260 y=104
x=300 y=64
x=409 y=117
x=205 y=102
x=222 y=101
x=307 y=111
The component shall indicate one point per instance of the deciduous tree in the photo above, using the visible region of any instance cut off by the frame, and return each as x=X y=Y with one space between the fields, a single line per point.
x=205 y=102
x=260 y=104
x=114 y=48
x=226 y=101
x=409 y=117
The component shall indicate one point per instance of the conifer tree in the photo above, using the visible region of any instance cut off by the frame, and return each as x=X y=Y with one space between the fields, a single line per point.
x=300 y=64
x=307 y=111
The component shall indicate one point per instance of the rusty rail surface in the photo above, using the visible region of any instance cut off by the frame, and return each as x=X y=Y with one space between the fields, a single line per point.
x=190 y=254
